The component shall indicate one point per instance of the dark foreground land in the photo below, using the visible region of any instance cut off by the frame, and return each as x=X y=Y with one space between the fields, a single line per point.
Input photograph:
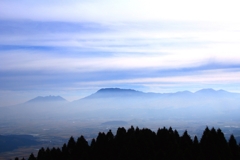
x=135 y=143
x=51 y=134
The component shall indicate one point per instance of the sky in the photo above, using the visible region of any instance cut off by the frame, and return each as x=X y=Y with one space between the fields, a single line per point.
x=74 y=48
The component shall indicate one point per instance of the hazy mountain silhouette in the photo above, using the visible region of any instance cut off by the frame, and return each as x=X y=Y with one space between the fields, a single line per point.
x=116 y=102
x=47 y=99
x=35 y=109
x=115 y=92
x=130 y=93
x=122 y=104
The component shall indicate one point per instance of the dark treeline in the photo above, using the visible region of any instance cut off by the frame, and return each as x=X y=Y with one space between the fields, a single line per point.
x=136 y=143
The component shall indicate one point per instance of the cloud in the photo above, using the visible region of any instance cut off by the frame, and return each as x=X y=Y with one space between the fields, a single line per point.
x=209 y=76
x=72 y=45
x=217 y=79
x=76 y=48
x=22 y=61
x=131 y=10
x=43 y=72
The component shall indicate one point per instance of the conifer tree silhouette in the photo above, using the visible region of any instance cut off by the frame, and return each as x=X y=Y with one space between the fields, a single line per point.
x=32 y=157
x=141 y=144
x=234 y=148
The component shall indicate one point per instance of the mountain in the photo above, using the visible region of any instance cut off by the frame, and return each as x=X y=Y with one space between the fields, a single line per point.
x=126 y=104
x=108 y=94
x=206 y=91
x=212 y=92
x=35 y=109
x=111 y=98
x=115 y=92
x=116 y=102
x=47 y=99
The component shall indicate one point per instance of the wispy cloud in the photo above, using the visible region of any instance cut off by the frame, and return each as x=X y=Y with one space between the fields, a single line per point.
x=74 y=45
x=133 y=10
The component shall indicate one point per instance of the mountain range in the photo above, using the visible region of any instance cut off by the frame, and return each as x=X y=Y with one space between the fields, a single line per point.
x=109 y=93
x=124 y=104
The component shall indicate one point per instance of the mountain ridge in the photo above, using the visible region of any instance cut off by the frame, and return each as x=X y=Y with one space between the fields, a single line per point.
x=116 y=103
x=49 y=98
x=119 y=92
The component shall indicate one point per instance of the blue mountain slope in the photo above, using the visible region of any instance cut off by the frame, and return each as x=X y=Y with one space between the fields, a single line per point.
x=47 y=99
x=113 y=102
x=115 y=92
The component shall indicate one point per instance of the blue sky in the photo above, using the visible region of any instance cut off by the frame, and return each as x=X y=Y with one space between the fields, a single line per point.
x=73 y=48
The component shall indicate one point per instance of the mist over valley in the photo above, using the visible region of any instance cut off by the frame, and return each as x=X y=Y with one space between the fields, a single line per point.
x=52 y=119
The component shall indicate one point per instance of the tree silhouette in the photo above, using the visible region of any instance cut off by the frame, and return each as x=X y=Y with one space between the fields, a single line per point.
x=82 y=148
x=234 y=147
x=32 y=157
x=186 y=146
x=138 y=144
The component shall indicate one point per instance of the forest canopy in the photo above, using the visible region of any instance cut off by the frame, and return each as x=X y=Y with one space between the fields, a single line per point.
x=135 y=143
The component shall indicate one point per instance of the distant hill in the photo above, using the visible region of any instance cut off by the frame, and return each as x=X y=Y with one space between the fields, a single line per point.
x=35 y=109
x=47 y=99
x=115 y=92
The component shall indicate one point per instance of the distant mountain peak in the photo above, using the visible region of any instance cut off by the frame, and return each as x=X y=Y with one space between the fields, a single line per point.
x=206 y=90
x=115 y=90
x=49 y=98
x=212 y=92
x=221 y=90
x=109 y=93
